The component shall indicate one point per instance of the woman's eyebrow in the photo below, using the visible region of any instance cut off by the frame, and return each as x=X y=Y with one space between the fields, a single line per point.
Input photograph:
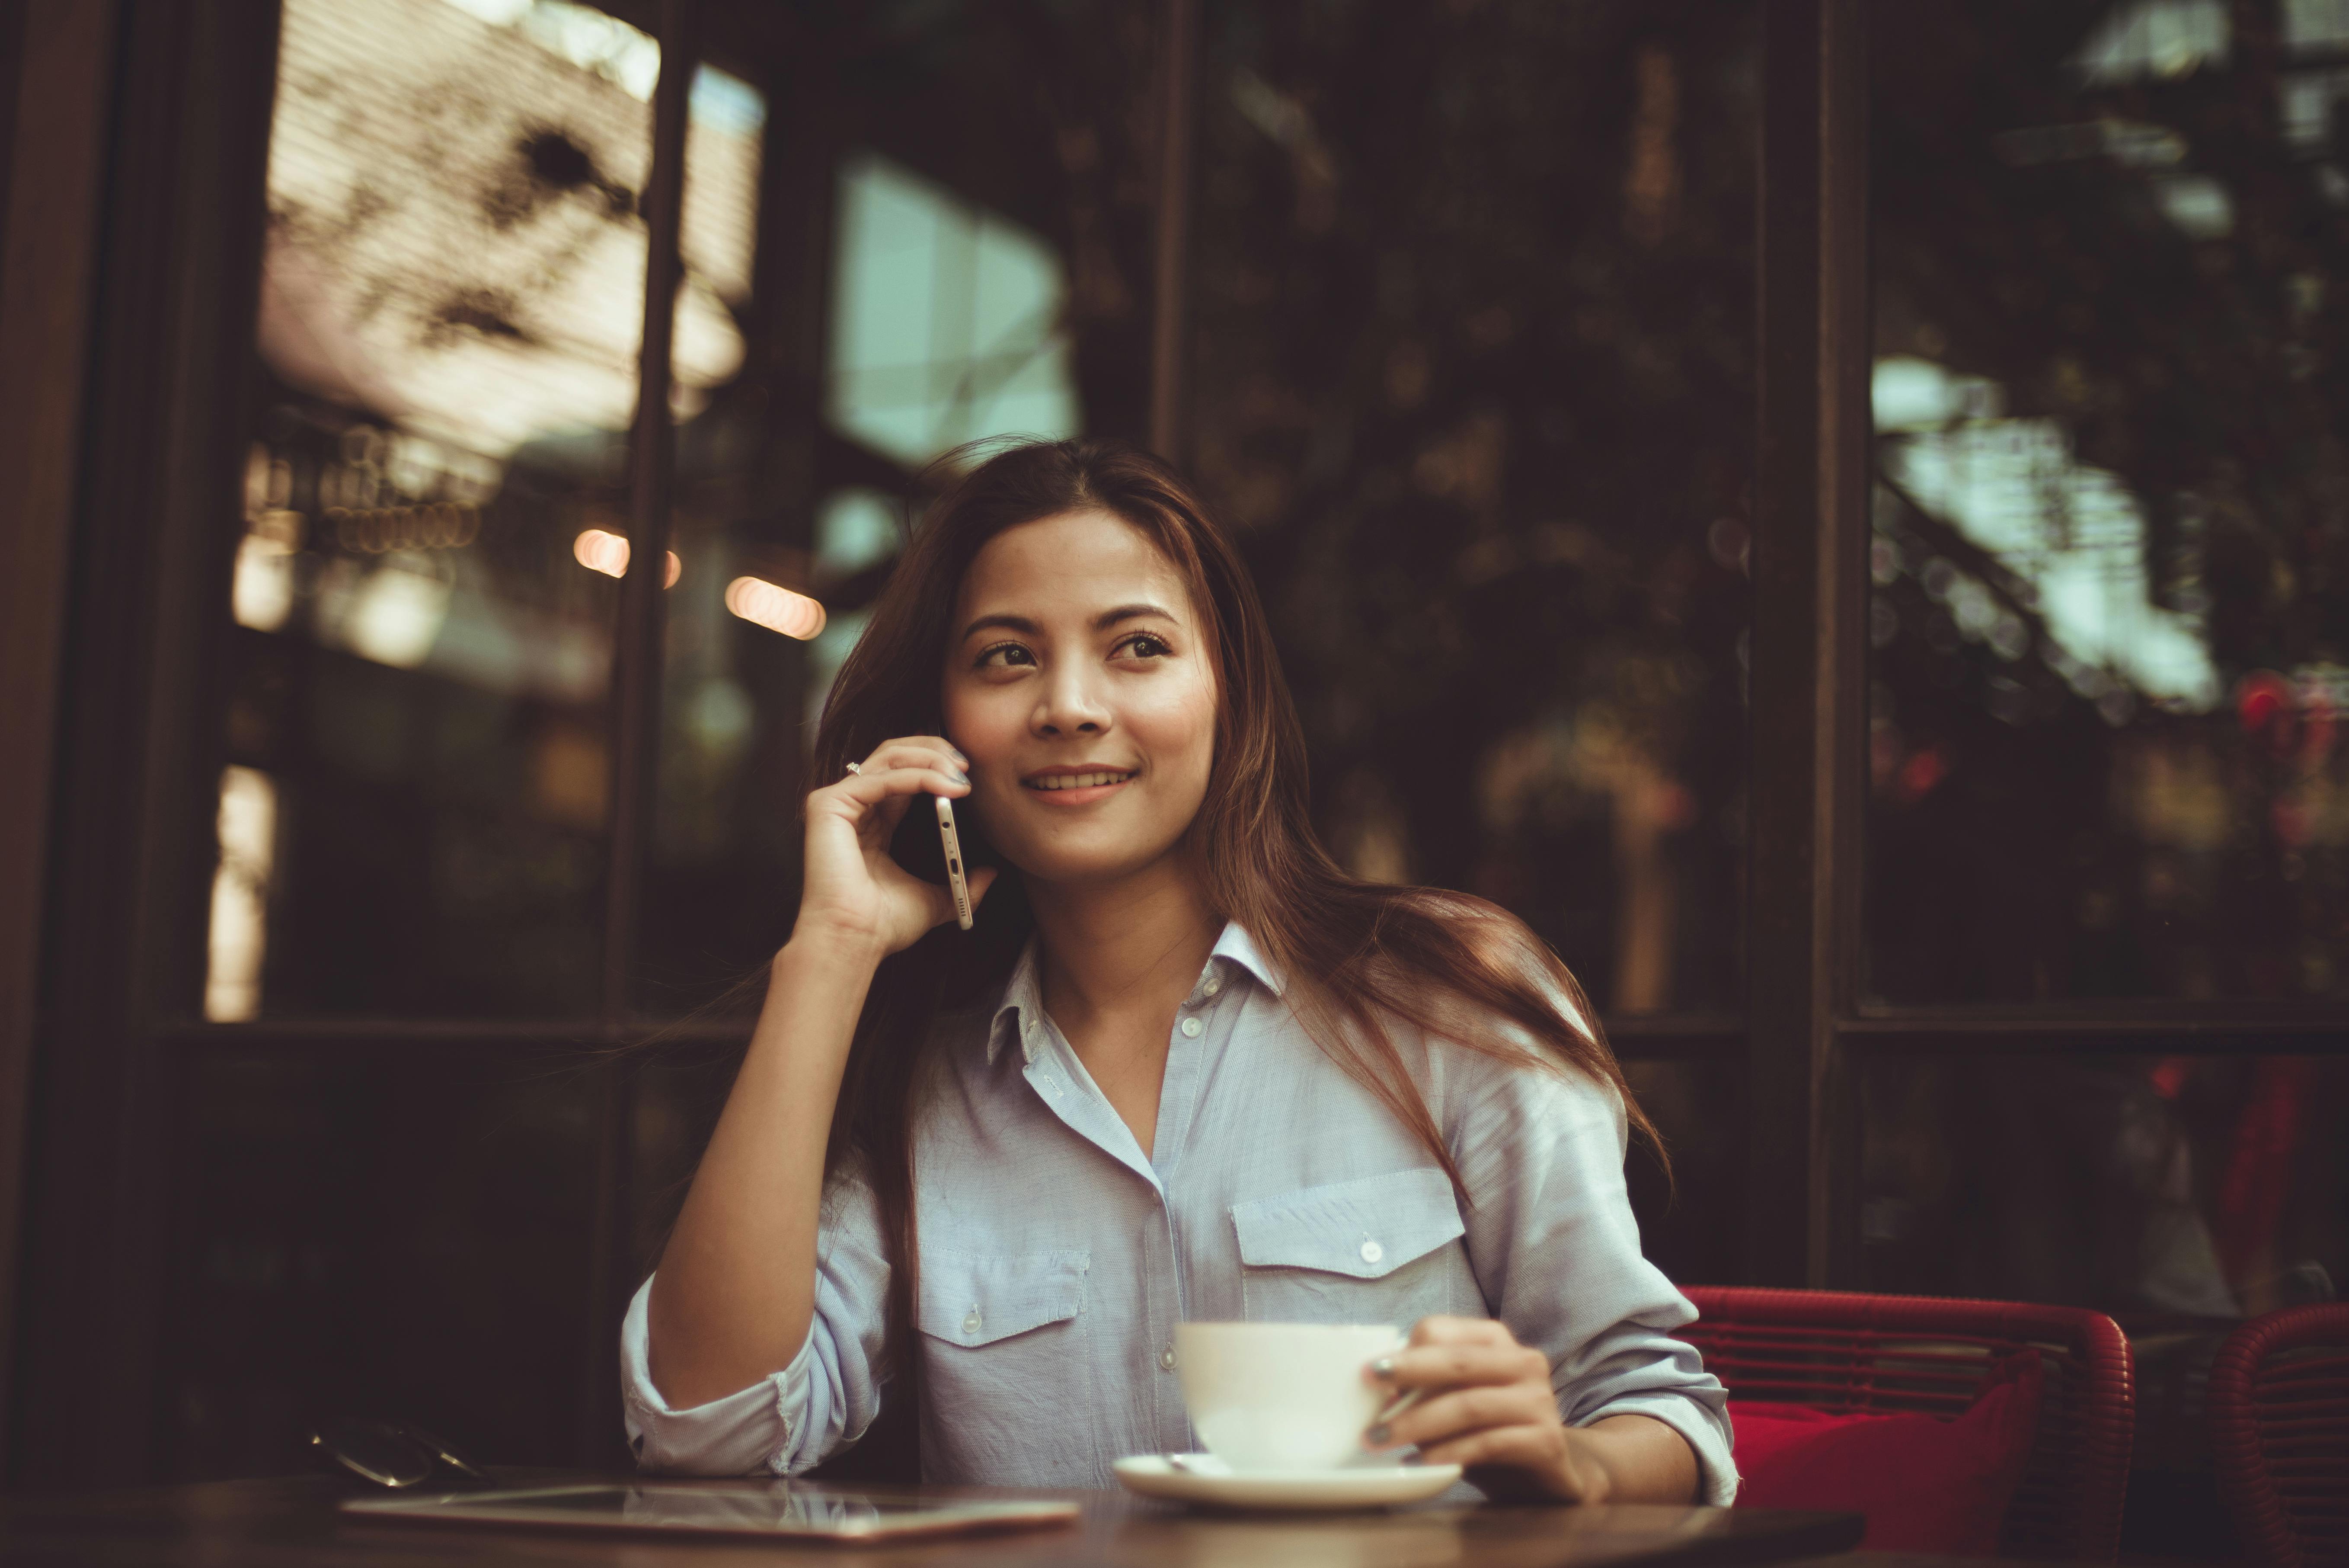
x=1019 y=624
x=1108 y=618
x=1102 y=622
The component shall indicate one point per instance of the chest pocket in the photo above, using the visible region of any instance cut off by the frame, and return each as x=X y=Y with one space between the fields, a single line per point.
x=1383 y=1249
x=1005 y=1347
x=972 y=1300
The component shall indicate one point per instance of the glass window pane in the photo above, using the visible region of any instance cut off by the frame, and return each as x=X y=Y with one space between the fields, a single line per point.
x=983 y=270
x=2180 y=1194
x=412 y=819
x=1473 y=292
x=1691 y=1221
x=2153 y=1188
x=407 y=1236
x=2111 y=561
x=948 y=320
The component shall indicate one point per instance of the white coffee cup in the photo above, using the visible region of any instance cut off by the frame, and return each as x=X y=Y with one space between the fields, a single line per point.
x=1281 y=1395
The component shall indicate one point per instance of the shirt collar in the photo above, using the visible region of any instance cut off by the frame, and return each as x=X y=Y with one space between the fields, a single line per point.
x=1236 y=945
x=1022 y=1006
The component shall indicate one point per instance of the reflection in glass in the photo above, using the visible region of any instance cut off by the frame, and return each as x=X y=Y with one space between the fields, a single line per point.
x=2173 y=1187
x=1473 y=292
x=858 y=532
x=948 y=320
x=983 y=244
x=450 y=307
x=2111 y=570
x=718 y=234
x=1693 y=1225
x=239 y=908
x=360 y=1231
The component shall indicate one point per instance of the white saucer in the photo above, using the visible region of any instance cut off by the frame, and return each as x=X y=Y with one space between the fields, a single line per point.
x=1370 y=1486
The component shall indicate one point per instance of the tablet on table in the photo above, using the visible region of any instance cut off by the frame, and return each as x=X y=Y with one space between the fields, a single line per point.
x=770 y=1510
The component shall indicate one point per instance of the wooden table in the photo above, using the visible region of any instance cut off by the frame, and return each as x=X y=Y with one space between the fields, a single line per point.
x=266 y=1524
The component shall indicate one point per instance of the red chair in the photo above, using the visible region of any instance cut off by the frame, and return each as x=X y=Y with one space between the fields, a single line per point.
x=2279 y=1404
x=1882 y=1354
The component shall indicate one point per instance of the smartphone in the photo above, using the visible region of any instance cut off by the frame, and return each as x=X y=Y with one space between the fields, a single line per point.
x=955 y=879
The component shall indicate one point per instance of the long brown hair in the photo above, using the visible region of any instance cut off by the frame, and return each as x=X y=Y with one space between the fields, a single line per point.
x=1354 y=955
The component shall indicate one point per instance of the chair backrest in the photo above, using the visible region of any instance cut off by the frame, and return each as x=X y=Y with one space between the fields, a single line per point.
x=1881 y=1354
x=2279 y=1405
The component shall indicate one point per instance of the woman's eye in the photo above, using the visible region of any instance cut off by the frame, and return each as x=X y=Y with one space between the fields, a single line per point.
x=1143 y=646
x=1004 y=655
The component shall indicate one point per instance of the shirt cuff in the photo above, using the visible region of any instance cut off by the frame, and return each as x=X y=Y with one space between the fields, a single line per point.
x=741 y=1433
x=1716 y=1471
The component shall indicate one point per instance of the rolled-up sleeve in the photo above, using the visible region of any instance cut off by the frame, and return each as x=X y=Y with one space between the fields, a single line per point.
x=794 y=1419
x=1556 y=1254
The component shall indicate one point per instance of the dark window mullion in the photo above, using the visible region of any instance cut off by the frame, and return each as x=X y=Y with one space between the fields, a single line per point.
x=636 y=653
x=359 y=1034
x=182 y=101
x=1806 y=713
x=2111 y=1036
x=1177 y=90
x=1676 y=1036
x=636 y=719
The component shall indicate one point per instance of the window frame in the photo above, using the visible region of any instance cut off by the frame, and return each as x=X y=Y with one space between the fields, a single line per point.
x=1811 y=1033
x=169 y=354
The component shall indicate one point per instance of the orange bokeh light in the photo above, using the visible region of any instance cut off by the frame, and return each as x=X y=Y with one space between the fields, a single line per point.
x=777 y=608
x=608 y=552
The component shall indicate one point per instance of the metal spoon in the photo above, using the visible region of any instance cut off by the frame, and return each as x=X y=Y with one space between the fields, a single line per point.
x=1398 y=1405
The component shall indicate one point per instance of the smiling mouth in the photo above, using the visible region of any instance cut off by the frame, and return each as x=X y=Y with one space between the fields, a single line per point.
x=1084 y=780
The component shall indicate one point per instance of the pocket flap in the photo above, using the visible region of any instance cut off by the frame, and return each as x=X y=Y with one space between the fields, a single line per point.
x=970 y=1299
x=1364 y=1228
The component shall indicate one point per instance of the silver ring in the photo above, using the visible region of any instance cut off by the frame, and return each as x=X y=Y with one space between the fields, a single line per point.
x=854 y=767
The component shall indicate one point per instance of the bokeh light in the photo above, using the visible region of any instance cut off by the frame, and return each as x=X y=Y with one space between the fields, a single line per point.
x=775 y=607
x=600 y=550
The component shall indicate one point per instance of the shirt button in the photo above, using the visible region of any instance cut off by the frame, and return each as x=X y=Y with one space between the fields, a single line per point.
x=1372 y=1252
x=1191 y=1028
x=970 y=1323
x=1166 y=1359
x=1214 y=984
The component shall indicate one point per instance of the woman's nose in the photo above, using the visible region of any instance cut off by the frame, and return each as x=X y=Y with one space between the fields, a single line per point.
x=1070 y=707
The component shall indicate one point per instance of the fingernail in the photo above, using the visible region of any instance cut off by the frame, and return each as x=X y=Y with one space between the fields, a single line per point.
x=962 y=777
x=1382 y=1368
x=1377 y=1434
x=1415 y=1458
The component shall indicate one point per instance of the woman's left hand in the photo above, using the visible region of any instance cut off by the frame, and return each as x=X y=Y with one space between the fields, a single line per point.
x=1488 y=1407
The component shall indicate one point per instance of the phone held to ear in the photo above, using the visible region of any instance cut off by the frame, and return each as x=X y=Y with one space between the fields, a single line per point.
x=955 y=877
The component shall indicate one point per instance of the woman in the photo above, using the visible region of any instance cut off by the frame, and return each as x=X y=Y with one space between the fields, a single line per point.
x=1183 y=1068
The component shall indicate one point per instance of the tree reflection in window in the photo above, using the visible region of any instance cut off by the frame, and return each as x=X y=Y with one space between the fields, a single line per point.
x=946 y=320
x=2110 y=565
x=451 y=306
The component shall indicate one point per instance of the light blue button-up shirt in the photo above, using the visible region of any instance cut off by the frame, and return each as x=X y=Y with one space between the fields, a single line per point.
x=1056 y=1257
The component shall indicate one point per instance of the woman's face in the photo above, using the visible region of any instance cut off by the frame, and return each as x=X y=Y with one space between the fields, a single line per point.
x=1077 y=684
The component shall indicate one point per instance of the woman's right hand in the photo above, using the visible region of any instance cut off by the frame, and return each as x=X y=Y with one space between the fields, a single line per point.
x=852 y=889
x=735 y=1293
